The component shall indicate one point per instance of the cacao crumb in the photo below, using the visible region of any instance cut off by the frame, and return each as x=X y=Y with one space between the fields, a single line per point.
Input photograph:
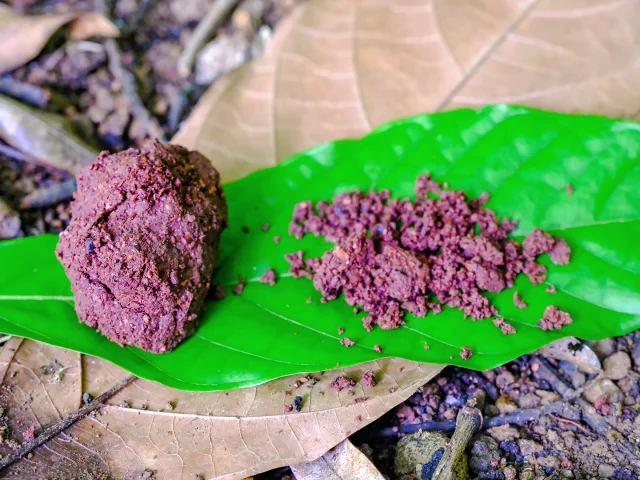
x=347 y=342
x=351 y=393
x=277 y=239
x=340 y=330
x=265 y=227
x=342 y=382
x=518 y=301
x=238 y=289
x=505 y=326
x=554 y=319
x=377 y=348
x=569 y=189
x=323 y=300
x=309 y=300
x=392 y=389
x=269 y=277
x=426 y=347
x=356 y=310
x=288 y=408
x=560 y=254
x=368 y=379
x=466 y=353
x=552 y=290
x=359 y=418
x=359 y=399
x=287 y=393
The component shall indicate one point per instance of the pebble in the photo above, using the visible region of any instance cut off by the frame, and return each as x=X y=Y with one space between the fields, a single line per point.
x=635 y=353
x=547 y=396
x=529 y=400
x=572 y=371
x=505 y=379
x=484 y=453
x=528 y=447
x=550 y=461
x=604 y=348
x=617 y=366
x=605 y=470
x=505 y=405
x=630 y=382
x=603 y=387
x=510 y=473
x=504 y=433
x=9 y=222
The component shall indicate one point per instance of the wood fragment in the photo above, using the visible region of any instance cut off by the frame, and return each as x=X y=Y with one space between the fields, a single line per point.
x=26 y=92
x=49 y=195
x=128 y=82
x=220 y=10
x=468 y=422
x=63 y=424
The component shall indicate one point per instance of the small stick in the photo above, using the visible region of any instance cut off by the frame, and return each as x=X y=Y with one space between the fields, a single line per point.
x=49 y=195
x=11 y=152
x=57 y=428
x=216 y=14
x=468 y=422
x=571 y=422
x=36 y=96
x=128 y=82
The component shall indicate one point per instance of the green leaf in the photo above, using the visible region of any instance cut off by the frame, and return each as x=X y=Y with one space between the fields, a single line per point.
x=525 y=158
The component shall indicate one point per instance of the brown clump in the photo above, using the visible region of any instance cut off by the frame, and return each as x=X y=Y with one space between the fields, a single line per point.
x=466 y=353
x=517 y=301
x=505 y=326
x=269 y=277
x=368 y=379
x=392 y=255
x=142 y=244
x=554 y=319
x=342 y=382
x=347 y=342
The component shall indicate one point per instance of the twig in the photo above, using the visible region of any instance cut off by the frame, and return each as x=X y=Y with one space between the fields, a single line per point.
x=519 y=417
x=49 y=195
x=11 y=152
x=36 y=96
x=128 y=82
x=468 y=422
x=57 y=428
x=216 y=14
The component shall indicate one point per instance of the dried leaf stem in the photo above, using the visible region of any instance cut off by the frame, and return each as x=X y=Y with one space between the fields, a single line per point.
x=57 y=428
x=216 y=14
x=31 y=94
x=468 y=422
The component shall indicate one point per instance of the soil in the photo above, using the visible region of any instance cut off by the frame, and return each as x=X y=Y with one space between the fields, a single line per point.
x=567 y=444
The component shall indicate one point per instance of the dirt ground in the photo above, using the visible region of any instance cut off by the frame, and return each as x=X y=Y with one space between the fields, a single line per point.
x=594 y=423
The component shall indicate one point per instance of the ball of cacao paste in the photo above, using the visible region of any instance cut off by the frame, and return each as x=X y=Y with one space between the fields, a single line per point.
x=142 y=243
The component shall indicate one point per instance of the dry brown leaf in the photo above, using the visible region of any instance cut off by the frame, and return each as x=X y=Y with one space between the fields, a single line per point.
x=337 y=68
x=344 y=462
x=575 y=351
x=180 y=434
x=23 y=37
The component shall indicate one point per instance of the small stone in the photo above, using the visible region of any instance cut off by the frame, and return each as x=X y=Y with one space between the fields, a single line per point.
x=505 y=405
x=629 y=382
x=484 y=454
x=510 y=473
x=603 y=387
x=547 y=397
x=550 y=461
x=529 y=447
x=504 y=379
x=617 y=366
x=504 y=433
x=529 y=401
x=604 y=348
x=605 y=470
x=86 y=398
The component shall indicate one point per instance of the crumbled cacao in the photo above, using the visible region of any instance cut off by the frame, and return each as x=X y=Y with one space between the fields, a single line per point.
x=340 y=330
x=392 y=389
x=309 y=300
x=377 y=348
x=505 y=326
x=238 y=289
x=266 y=227
x=368 y=379
x=392 y=255
x=517 y=301
x=288 y=408
x=466 y=353
x=359 y=399
x=551 y=289
x=277 y=239
x=269 y=277
x=569 y=189
x=342 y=382
x=347 y=342
x=287 y=393
x=554 y=319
